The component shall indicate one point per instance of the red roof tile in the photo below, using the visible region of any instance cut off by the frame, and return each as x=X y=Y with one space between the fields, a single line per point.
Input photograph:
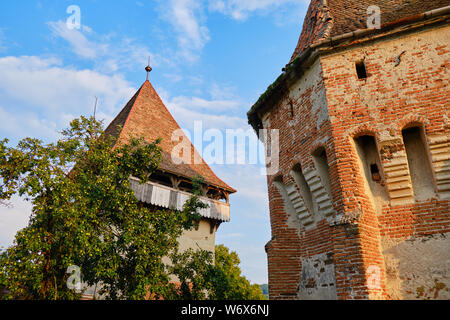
x=146 y=115
x=329 y=18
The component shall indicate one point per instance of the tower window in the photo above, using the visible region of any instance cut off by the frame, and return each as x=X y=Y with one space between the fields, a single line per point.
x=321 y=163
x=371 y=169
x=419 y=163
x=305 y=191
x=361 y=69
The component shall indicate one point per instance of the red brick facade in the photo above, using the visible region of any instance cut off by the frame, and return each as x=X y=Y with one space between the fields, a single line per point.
x=385 y=236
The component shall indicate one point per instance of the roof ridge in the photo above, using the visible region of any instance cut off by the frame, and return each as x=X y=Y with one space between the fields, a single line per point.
x=113 y=127
x=146 y=114
x=138 y=93
x=330 y=18
x=318 y=24
x=193 y=147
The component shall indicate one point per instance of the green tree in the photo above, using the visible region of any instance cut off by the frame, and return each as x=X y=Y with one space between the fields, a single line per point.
x=219 y=281
x=85 y=214
x=228 y=282
x=193 y=270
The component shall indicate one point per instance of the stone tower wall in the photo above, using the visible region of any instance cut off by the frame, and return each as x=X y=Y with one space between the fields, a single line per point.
x=371 y=217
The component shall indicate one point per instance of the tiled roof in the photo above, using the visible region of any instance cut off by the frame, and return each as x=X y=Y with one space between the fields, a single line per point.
x=145 y=115
x=330 y=18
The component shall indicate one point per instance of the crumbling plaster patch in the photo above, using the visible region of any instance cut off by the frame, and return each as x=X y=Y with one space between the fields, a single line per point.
x=418 y=268
x=318 y=279
x=311 y=86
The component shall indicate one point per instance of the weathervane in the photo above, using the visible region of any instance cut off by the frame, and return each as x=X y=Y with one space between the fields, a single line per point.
x=148 y=68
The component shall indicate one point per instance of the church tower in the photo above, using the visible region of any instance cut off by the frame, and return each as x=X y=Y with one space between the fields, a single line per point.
x=360 y=206
x=145 y=115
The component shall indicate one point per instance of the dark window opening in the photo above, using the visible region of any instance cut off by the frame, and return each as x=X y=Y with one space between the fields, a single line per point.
x=161 y=179
x=375 y=172
x=371 y=169
x=419 y=163
x=361 y=70
x=185 y=186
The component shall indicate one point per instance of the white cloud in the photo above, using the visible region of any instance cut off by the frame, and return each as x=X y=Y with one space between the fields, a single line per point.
x=26 y=124
x=186 y=111
x=80 y=44
x=195 y=80
x=13 y=219
x=210 y=121
x=212 y=112
x=250 y=183
x=38 y=98
x=222 y=91
x=195 y=103
x=41 y=96
x=109 y=53
x=188 y=19
x=240 y=10
x=173 y=77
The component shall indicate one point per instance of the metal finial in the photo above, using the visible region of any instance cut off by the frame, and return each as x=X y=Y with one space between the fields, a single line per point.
x=148 y=68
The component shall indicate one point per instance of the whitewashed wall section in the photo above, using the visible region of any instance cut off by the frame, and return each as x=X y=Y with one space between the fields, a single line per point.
x=170 y=198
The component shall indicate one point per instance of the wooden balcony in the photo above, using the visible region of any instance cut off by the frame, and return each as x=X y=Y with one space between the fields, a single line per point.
x=170 y=198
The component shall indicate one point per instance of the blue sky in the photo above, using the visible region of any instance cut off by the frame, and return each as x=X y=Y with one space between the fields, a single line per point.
x=211 y=60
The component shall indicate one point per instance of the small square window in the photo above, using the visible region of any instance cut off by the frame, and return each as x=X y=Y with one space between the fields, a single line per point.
x=361 y=69
x=375 y=172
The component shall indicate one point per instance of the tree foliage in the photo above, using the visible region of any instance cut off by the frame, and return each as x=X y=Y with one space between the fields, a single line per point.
x=193 y=270
x=228 y=282
x=221 y=280
x=85 y=214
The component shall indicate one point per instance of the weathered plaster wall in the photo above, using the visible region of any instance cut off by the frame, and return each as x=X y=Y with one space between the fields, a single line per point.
x=418 y=267
x=300 y=202
x=407 y=85
x=201 y=238
x=196 y=239
x=318 y=281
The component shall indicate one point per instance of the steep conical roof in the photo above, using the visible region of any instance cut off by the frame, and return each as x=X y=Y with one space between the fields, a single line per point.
x=329 y=18
x=145 y=115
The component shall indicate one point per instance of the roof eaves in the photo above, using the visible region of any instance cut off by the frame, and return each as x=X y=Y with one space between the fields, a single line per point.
x=295 y=69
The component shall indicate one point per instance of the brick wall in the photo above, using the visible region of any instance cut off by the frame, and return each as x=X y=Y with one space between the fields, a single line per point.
x=370 y=235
